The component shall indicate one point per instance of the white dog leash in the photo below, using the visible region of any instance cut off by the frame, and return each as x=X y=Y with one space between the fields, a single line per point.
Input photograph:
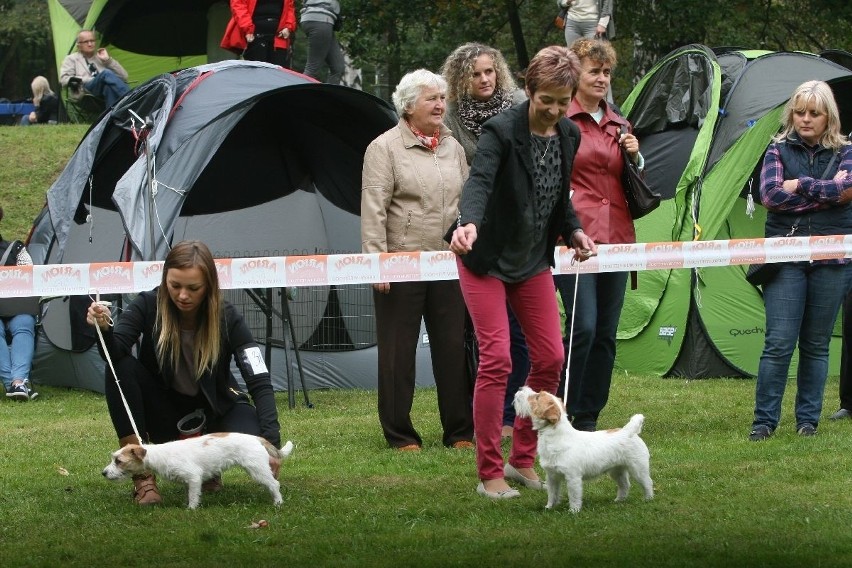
x=571 y=335
x=110 y=322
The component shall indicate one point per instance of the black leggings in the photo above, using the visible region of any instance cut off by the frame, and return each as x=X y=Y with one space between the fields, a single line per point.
x=263 y=46
x=157 y=409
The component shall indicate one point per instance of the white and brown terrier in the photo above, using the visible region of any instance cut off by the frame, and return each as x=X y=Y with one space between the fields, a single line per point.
x=569 y=455
x=198 y=459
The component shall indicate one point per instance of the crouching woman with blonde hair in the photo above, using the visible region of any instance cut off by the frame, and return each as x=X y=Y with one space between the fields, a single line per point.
x=189 y=334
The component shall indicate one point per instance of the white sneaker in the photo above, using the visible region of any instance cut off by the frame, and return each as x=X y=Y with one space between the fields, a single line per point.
x=21 y=392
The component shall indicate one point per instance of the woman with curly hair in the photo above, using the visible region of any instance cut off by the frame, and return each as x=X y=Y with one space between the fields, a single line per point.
x=480 y=86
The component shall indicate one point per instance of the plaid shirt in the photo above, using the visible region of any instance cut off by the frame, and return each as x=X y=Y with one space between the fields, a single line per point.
x=812 y=194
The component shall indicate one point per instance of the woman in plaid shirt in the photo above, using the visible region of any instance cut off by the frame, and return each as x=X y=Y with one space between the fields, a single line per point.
x=806 y=185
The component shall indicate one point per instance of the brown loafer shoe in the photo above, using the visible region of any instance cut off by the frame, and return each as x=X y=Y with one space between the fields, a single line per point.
x=409 y=448
x=145 y=490
x=463 y=445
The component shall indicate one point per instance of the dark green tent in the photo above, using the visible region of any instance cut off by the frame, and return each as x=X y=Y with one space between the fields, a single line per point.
x=704 y=119
x=148 y=37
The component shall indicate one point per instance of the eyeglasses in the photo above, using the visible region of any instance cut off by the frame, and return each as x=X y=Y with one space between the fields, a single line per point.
x=85 y=41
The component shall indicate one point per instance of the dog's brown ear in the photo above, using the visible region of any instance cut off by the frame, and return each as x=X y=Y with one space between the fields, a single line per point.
x=533 y=400
x=551 y=410
x=138 y=452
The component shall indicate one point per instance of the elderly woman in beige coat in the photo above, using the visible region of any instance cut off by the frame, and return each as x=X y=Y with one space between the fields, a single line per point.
x=411 y=184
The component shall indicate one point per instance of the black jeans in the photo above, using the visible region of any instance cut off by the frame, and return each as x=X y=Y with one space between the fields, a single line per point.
x=263 y=46
x=156 y=408
x=520 y=367
x=600 y=298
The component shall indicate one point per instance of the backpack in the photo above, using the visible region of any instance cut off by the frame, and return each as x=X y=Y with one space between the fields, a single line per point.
x=10 y=252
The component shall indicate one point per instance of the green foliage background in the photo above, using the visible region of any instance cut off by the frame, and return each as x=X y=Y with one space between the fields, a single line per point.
x=398 y=35
x=387 y=38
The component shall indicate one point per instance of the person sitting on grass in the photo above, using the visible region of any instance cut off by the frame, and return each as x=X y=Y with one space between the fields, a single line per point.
x=46 y=104
x=17 y=332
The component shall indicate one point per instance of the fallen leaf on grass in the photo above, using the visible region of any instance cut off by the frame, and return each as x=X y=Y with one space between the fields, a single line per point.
x=261 y=524
x=62 y=471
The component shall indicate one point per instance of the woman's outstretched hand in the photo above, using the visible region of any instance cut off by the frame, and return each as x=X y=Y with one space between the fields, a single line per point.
x=584 y=246
x=98 y=314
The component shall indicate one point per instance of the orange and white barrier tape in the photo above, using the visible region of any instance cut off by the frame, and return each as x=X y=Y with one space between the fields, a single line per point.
x=340 y=269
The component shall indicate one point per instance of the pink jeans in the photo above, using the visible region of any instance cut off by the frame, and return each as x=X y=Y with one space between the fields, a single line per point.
x=534 y=304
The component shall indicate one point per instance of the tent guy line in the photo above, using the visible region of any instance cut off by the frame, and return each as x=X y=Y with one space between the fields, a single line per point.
x=343 y=269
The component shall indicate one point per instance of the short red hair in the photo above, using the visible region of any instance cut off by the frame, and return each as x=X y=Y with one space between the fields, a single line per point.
x=553 y=66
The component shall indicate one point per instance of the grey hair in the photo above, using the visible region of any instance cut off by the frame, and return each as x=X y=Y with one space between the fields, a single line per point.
x=410 y=87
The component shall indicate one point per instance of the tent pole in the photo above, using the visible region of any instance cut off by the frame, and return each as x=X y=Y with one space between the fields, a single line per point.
x=285 y=310
x=268 y=313
x=149 y=166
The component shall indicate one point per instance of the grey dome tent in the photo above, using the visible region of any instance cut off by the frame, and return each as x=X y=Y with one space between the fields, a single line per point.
x=250 y=158
x=704 y=119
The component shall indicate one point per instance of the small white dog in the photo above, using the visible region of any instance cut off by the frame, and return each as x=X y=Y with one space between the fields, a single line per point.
x=198 y=459
x=573 y=455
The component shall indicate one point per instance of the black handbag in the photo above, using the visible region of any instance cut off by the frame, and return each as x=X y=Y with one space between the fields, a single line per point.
x=641 y=199
x=760 y=274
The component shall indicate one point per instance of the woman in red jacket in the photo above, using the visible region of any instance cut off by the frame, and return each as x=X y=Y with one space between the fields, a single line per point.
x=602 y=209
x=261 y=30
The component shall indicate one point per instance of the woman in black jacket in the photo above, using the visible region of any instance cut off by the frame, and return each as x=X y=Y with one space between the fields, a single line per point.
x=182 y=363
x=514 y=207
x=45 y=101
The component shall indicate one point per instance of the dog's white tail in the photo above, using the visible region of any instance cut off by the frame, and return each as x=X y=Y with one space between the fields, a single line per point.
x=634 y=426
x=286 y=450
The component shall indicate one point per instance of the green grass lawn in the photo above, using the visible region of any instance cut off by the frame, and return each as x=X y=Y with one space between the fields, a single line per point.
x=349 y=501
x=31 y=158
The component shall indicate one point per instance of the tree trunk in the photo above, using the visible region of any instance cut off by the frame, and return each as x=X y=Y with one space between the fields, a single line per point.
x=517 y=34
x=394 y=57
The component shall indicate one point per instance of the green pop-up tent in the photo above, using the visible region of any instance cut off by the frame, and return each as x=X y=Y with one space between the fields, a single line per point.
x=704 y=119
x=148 y=37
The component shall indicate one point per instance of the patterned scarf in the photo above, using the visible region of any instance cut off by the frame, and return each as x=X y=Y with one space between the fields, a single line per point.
x=430 y=142
x=474 y=112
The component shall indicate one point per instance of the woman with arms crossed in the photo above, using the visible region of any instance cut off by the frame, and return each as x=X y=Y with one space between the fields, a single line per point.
x=479 y=86
x=804 y=184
